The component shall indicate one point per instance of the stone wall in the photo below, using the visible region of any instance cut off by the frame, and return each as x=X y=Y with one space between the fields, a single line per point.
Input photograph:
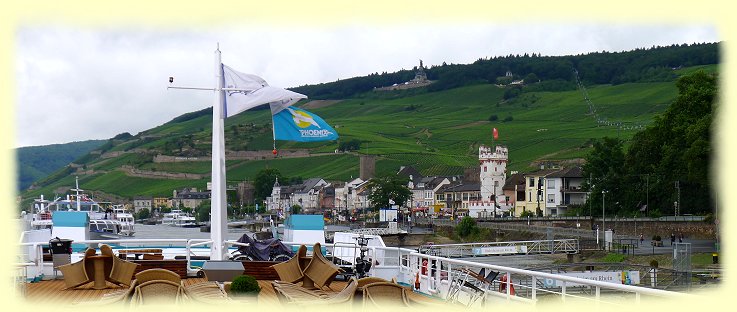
x=255 y=155
x=171 y=159
x=107 y=155
x=161 y=174
x=237 y=155
x=692 y=229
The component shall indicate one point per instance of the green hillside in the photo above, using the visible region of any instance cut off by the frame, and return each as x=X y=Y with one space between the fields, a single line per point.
x=37 y=162
x=439 y=133
x=436 y=129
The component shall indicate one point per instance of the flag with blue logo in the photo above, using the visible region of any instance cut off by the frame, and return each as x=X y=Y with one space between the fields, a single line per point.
x=295 y=124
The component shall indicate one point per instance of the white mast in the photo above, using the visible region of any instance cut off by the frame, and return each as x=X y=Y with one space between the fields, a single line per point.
x=76 y=183
x=218 y=208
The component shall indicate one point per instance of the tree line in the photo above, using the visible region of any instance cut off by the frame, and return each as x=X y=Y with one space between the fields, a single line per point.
x=666 y=166
x=639 y=65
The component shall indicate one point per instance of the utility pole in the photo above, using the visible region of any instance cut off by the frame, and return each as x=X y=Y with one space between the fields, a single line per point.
x=590 y=188
x=603 y=214
x=539 y=194
x=496 y=200
x=678 y=200
x=716 y=219
x=647 y=195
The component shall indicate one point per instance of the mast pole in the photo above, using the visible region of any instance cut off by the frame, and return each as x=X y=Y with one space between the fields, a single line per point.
x=218 y=208
x=76 y=184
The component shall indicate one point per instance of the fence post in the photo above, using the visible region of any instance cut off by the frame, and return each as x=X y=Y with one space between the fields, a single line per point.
x=598 y=295
x=563 y=292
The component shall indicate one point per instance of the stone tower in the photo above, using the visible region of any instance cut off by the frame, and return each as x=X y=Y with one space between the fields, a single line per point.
x=493 y=167
x=367 y=167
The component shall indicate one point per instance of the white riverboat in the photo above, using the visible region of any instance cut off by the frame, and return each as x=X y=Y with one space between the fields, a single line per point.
x=178 y=218
x=106 y=221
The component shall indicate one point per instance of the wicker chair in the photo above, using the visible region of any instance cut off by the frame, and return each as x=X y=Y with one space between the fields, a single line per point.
x=122 y=297
x=75 y=274
x=205 y=292
x=291 y=270
x=419 y=301
x=362 y=282
x=288 y=292
x=383 y=294
x=345 y=296
x=368 y=280
x=158 y=292
x=157 y=274
x=122 y=271
x=296 y=294
x=320 y=270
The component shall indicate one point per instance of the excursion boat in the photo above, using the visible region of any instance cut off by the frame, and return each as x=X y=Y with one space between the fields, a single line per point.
x=179 y=218
x=126 y=219
x=106 y=221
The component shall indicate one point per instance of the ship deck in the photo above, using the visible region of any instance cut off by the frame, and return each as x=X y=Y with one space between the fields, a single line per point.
x=52 y=292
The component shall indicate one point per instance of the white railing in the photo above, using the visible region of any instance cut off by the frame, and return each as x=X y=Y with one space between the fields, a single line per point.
x=530 y=247
x=435 y=274
x=378 y=231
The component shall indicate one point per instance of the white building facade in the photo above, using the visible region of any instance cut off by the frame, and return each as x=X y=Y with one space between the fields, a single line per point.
x=493 y=174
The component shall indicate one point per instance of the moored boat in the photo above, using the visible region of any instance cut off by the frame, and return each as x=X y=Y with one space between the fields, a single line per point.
x=106 y=221
x=179 y=218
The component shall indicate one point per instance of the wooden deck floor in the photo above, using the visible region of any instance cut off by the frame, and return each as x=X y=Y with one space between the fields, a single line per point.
x=52 y=292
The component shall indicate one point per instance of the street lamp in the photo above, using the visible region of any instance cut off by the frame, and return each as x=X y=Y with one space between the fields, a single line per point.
x=603 y=219
x=539 y=193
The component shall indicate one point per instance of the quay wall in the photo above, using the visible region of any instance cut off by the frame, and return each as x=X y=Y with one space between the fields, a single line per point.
x=697 y=229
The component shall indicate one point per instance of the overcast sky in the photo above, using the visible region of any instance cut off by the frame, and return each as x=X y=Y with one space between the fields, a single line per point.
x=77 y=84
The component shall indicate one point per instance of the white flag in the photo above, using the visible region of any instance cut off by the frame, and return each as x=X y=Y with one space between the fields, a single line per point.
x=253 y=91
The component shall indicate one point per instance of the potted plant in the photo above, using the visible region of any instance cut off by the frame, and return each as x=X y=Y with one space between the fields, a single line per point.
x=657 y=241
x=243 y=287
x=654 y=263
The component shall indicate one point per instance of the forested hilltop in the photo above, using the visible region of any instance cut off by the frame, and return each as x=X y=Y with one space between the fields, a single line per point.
x=37 y=162
x=653 y=64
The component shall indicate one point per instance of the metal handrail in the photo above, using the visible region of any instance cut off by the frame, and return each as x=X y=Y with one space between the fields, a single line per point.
x=413 y=259
x=410 y=261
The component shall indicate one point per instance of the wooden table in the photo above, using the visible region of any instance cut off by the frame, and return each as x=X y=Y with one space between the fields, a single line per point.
x=98 y=267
